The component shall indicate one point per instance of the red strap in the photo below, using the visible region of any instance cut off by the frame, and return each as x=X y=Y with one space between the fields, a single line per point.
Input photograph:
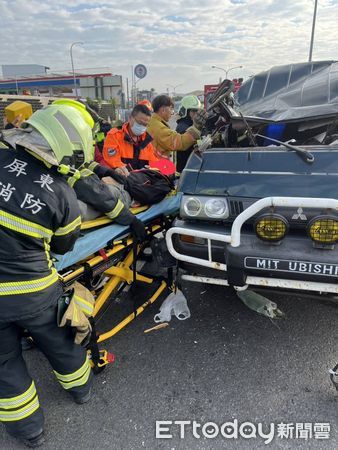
x=110 y=358
x=103 y=254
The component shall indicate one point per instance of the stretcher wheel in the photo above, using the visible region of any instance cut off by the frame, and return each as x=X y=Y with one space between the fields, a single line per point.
x=105 y=359
x=97 y=370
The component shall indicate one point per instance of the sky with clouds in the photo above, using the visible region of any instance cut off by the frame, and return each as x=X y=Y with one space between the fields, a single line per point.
x=177 y=40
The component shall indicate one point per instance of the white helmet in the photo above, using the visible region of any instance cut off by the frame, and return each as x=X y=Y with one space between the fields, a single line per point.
x=189 y=102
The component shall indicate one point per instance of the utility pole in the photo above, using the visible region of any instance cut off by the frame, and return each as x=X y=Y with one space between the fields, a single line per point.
x=132 y=95
x=313 y=30
x=71 y=59
x=174 y=88
x=128 y=104
x=226 y=70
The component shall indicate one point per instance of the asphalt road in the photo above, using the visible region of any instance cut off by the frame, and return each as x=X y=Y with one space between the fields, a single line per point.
x=224 y=363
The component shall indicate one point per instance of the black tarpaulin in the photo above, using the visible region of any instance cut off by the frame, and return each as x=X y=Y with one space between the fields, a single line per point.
x=292 y=92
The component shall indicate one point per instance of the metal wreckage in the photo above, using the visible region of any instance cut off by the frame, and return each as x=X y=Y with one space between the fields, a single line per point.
x=259 y=204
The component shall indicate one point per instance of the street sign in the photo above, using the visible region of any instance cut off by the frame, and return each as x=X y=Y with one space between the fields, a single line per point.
x=140 y=71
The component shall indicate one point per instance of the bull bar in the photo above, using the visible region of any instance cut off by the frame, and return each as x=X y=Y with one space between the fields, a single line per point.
x=234 y=239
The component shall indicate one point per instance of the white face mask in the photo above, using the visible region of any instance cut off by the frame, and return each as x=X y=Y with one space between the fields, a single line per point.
x=138 y=129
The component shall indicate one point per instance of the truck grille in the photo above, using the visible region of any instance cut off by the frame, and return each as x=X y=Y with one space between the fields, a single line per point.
x=236 y=207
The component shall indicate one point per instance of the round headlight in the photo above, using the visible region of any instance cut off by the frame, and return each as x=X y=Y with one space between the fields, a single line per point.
x=271 y=227
x=324 y=229
x=215 y=207
x=192 y=207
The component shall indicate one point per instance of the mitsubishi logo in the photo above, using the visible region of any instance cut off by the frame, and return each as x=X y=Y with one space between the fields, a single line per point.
x=299 y=215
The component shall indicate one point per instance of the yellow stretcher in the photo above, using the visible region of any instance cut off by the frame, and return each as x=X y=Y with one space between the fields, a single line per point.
x=104 y=260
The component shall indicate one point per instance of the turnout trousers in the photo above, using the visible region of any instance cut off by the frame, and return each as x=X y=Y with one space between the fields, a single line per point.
x=19 y=403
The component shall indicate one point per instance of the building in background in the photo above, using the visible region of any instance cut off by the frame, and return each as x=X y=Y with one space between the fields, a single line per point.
x=23 y=70
x=33 y=79
x=137 y=95
x=146 y=95
x=102 y=87
x=106 y=109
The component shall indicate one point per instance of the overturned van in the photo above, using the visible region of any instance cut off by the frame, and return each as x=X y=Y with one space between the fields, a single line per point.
x=260 y=193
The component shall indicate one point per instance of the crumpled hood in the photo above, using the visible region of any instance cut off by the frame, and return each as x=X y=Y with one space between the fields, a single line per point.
x=291 y=92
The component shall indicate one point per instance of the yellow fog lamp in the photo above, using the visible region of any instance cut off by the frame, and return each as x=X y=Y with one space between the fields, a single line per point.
x=271 y=227
x=323 y=229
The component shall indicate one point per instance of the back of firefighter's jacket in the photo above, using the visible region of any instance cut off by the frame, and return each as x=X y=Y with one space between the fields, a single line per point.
x=39 y=213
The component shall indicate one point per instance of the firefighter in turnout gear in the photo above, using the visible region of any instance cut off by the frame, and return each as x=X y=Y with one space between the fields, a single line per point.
x=190 y=104
x=39 y=213
x=86 y=181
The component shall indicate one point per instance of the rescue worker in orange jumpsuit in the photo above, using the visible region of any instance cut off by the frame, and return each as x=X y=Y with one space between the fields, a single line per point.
x=130 y=147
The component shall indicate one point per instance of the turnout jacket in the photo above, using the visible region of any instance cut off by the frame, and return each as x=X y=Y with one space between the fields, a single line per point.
x=182 y=157
x=166 y=140
x=39 y=213
x=91 y=190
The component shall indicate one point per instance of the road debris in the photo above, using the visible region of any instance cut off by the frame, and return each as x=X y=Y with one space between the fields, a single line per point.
x=260 y=304
x=175 y=304
x=157 y=327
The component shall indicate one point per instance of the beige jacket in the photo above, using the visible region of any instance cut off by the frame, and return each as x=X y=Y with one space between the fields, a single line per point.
x=166 y=140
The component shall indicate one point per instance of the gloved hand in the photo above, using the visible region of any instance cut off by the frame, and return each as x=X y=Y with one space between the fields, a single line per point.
x=123 y=171
x=116 y=176
x=200 y=119
x=105 y=126
x=138 y=230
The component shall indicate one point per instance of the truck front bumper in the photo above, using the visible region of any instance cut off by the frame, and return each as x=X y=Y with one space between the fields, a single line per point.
x=216 y=257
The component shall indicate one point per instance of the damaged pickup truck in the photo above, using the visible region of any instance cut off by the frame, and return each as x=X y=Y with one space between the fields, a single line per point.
x=260 y=193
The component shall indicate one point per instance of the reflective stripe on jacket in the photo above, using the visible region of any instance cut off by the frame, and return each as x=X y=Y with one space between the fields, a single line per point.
x=39 y=213
x=95 y=193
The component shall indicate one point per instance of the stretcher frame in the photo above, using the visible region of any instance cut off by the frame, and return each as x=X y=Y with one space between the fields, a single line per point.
x=116 y=263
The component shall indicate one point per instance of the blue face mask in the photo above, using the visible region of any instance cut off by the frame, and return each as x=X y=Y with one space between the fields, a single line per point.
x=138 y=129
